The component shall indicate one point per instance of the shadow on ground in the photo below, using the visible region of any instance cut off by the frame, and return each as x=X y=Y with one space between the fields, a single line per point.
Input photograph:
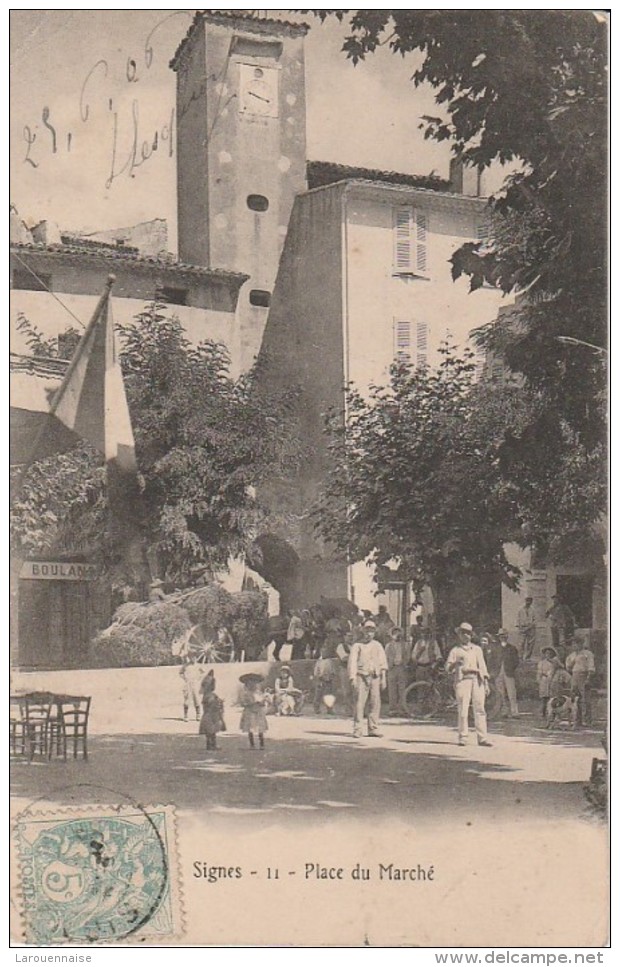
x=308 y=779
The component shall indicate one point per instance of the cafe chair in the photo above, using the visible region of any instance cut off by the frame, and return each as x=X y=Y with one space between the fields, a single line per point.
x=17 y=728
x=32 y=733
x=69 y=729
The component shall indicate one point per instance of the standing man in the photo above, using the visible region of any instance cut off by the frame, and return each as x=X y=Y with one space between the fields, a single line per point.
x=526 y=623
x=505 y=681
x=580 y=663
x=561 y=623
x=396 y=653
x=466 y=662
x=425 y=654
x=367 y=673
x=342 y=652
x=384 y=624
x=295 y=635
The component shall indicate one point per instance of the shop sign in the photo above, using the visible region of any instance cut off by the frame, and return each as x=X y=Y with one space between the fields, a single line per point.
x=57 y=571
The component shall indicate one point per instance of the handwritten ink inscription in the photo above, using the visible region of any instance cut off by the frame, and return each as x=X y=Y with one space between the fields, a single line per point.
x=121 y=126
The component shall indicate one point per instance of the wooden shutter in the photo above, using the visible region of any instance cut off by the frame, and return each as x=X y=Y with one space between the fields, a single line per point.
x=403 y=240
x=421 y=220
x=402 y=342
x=421 y=343
x=410 y=241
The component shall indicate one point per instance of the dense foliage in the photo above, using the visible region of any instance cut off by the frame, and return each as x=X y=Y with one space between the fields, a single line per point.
x=421 y=477
x=528 y=88
x=203 y=443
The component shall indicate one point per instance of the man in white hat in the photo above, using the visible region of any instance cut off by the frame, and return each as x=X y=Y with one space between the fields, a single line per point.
x=367 y=673
x=466 y=662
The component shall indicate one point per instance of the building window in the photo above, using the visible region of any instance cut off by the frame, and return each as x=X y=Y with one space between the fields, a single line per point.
x=258 y=203
x=402 y=342
x=260 y=297
x=421 y=343
x=23 y=279
x=410 y=242
x=172 y=296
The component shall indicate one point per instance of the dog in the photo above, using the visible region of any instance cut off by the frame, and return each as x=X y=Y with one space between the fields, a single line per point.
x=565 y=708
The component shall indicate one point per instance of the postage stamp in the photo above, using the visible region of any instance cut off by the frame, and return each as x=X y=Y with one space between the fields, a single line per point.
x=95 y=874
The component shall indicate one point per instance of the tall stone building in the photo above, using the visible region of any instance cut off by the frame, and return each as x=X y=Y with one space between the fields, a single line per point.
x=241 y=151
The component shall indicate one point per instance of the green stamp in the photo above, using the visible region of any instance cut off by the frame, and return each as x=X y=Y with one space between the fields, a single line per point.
x=102 y=876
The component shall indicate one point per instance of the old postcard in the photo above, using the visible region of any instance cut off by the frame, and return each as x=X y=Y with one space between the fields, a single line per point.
x=308 y=520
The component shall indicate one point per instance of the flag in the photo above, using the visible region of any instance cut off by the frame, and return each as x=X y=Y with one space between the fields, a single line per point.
x=91 y=400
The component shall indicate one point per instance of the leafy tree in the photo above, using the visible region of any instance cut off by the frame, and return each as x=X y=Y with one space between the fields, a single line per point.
x=527 y=87
x=203 y=443
x=417 y=477
x=413 y=480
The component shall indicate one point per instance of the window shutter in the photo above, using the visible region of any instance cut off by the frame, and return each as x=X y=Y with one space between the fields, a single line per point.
x=421 y=343
x=403 y=240
x=421 y=228
x=402 y=342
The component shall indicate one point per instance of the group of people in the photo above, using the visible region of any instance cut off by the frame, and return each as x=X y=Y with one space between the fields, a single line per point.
x=370 y=664
x=362 y=656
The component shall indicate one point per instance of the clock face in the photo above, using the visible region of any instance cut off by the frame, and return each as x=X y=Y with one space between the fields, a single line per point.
x=258 y=91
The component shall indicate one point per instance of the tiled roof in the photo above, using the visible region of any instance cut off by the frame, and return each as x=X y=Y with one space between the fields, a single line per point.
x=97 y=253
x=321 y=173
x=248 y=21
x=78 y=241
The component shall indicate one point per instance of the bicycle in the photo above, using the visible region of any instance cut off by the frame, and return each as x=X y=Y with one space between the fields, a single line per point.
x=426 y=698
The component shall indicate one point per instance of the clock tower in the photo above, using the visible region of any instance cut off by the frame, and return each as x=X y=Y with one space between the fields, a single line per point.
x=241 y=152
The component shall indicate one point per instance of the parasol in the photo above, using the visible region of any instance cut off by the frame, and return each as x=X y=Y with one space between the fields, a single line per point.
x=251 y=678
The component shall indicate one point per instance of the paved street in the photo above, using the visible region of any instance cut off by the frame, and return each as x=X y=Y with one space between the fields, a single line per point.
x=313 y=769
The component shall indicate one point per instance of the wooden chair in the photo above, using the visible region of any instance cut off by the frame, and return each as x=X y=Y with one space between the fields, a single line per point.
x=17 y=727
x=70 y=727
x=37 y=708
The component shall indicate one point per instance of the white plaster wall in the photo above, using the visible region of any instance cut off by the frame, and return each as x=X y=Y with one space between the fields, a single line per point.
x=375 y=297
x=51 y=318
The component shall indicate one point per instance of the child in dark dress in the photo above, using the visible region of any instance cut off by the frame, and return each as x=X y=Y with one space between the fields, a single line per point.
x=212 y=720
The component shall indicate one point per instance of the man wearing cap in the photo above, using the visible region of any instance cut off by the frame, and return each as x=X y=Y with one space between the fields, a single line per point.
x=505 y=681
x=367 y=673
x=526 y=623
x=471 y=684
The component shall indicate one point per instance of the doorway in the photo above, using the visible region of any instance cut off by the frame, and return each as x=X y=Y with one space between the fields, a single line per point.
x=575 y=590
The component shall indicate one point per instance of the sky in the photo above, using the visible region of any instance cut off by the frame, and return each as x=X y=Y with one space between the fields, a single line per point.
x=86 y=86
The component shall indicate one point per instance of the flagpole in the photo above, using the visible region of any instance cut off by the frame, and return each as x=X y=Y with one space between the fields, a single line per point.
x=59 y=392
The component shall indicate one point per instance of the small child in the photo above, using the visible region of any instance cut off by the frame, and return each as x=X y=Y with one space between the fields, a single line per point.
x=212 y=720
x=253 y=718
x=324 y=676
x=191 y=676
x=544 y=673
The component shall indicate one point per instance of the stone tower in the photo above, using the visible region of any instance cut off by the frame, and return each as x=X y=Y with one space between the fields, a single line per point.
x=241 y=152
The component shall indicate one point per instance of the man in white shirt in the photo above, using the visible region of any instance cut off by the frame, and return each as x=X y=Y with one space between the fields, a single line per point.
x=580 y=663
x=466 y=662
x=367 y=673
